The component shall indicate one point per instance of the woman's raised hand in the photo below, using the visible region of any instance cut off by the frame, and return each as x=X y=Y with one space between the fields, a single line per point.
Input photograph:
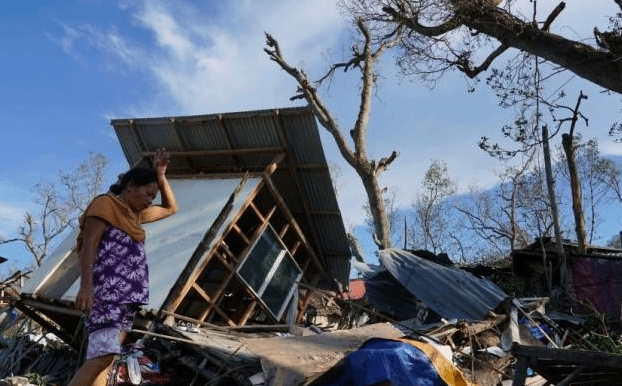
x=161 y=161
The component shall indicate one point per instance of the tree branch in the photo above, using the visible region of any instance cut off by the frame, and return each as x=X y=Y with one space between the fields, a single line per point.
x=413 y=23
x=575 y=114
x=384 y=163
x=310 y=95
x=464 y=64
x=553 y=15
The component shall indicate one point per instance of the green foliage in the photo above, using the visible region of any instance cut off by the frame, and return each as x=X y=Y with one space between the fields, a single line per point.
x=36 y=379
x=513 y=287
x=605 y=343
x=599 y=336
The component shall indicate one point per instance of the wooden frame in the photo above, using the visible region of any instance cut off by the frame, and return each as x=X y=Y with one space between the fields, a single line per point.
x=214 y=291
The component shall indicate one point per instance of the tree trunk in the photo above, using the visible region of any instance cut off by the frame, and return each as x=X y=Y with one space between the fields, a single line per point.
x=376 y=207
x=575 y=186
x=550 y=184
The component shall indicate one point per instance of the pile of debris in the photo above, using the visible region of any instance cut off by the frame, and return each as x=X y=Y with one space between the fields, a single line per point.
x=438 y=314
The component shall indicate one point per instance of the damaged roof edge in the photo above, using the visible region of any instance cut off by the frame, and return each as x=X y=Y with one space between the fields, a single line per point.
x=449 y=291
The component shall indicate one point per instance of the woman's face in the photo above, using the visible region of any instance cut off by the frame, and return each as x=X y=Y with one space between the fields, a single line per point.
x=140 y=197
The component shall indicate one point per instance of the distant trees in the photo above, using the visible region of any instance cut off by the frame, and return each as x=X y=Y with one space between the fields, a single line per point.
x=60 y=204
x=431 y=210
x=600 y=181
x=483 y=224
x=496 y=216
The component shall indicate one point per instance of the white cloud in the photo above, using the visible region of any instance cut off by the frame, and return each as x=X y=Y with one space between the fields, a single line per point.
x=610 y=148
x=214 y=66
x=10 y=218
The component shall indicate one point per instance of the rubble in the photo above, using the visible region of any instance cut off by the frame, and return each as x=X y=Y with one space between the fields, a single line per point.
x=517 y=342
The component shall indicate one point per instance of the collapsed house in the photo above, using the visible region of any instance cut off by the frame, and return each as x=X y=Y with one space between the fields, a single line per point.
x=259 y=243
x=592 y=277
x=258 y=223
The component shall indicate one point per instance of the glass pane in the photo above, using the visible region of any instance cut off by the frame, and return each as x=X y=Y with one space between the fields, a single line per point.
x=279 y=287
x=260 y=260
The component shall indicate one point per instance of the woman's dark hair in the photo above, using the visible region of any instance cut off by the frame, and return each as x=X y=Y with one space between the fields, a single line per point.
x=139 y=176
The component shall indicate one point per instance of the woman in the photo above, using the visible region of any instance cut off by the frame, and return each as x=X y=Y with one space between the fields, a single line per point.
x=113 y=266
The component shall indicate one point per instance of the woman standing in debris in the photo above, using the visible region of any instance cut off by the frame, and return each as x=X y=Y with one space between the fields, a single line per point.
x=113 y=266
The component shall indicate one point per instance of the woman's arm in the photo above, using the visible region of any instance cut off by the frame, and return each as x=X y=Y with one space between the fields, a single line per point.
x=94 y=228
x=168 y=207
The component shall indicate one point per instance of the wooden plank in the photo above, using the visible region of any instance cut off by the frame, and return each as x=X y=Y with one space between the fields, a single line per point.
x=257 y=212
x=249 y=310
x=49 y=325
x=593 y=358
x=566 y=381
x=201 y=292
x=284 y=231
x=291 y=218
x=239 y=231
x=223 y=314
x=295 y=249
x=49 y=307
x=217 y=153
x=217 y=295
x=223 y=260
x=195 y=321
x=271 y=212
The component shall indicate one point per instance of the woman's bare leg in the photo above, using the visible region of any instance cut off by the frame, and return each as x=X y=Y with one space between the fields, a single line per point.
x=93 y=372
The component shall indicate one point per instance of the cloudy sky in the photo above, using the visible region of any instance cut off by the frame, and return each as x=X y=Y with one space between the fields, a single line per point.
x=68 y=69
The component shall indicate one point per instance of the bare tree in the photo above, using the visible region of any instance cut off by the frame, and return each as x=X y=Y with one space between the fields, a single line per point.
x=493 y=215
x=454 y=34
x=431 y=230
x=568 y=145
x=389 y=195
x=59 y=206
x=599 y=179
x=364 y=57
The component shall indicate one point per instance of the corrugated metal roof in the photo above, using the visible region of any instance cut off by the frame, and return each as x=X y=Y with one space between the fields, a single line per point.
x=249 y=141
x=449 y=291
x=170 y=243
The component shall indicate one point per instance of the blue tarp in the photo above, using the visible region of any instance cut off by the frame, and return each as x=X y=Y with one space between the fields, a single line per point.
x=379 y=360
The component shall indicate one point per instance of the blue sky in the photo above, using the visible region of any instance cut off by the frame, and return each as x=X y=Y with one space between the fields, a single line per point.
x=68 y=69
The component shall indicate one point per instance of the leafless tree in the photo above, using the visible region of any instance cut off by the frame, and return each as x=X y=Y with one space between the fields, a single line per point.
x=432 y=230
x=391 y=210
x=364 y=57
x=494 y=214
x=59 y=206
x=468 y=35
x=599 y=177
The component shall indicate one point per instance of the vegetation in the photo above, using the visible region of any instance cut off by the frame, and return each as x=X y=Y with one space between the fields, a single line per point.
x=60 y=204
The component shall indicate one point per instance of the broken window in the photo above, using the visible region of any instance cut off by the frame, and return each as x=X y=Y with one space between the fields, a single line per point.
x=271 y=272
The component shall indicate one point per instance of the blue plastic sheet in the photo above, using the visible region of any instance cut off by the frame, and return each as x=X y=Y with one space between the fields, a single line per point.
x=379 y=360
